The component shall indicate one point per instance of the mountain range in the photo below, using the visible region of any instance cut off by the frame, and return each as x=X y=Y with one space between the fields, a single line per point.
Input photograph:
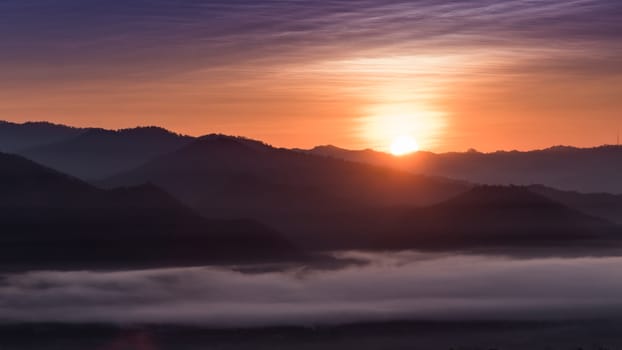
x=51 y=219
x=98 y=153
x=497 y=216
x=224 y=198
x=596 y=169
x=15 y=137
x=223 y=176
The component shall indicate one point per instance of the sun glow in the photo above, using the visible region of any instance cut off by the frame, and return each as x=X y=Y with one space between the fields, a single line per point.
x=403 y=145
x=402 y=129
x=395 y=95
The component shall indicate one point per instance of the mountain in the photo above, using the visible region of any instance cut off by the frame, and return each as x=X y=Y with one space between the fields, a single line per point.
x=99 y=153
x=603 y=205
x=24 y=183
x=52 y=220
x=300 y=194
x=599 y=204
x=15 y=137
x=595 y=169
x=497 y=216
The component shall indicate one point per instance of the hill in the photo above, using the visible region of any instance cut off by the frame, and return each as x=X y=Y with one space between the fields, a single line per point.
x=15 y=137
x=595 y=169
x=52 y=220
x=99 y=153
x=602 y=205
x=497 y=216
x=227 y=177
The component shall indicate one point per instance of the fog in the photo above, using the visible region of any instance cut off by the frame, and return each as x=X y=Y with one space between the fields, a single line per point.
x=397 y=286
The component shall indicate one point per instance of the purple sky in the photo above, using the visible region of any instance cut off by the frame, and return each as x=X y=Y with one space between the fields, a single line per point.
x=524 y=74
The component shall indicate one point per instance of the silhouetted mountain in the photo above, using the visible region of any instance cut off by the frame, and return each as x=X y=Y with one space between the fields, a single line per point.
x=15 y=137
x=50 y=219
x=362 y=156
x=24 y=183
x=496 y=216
x=228 y=177
x=581 y=169
x=603 y=205
x=99 y=153
x=599 y=204
x=322 y=202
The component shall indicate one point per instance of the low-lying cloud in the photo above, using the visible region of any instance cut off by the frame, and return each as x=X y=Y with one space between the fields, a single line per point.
x=391 y=287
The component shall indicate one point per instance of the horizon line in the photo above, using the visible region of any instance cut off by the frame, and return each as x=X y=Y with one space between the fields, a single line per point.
x=197 y=136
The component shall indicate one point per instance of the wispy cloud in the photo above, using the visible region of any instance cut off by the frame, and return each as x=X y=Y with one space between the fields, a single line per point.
x=185 y=61
x=192 y=34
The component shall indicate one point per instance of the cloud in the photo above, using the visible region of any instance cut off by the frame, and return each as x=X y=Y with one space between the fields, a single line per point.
x=160 y=36
x=390 y=287
x=243 y=66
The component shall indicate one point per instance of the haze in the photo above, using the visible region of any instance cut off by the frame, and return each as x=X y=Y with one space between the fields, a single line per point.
x=381 y=287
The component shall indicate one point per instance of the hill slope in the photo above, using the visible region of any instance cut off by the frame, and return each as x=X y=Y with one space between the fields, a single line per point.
x=51 y=219
x=603 y=205
x=595 y=169
x=15 y=137
x=98 y=153
x=224 y=176
x=498 y=216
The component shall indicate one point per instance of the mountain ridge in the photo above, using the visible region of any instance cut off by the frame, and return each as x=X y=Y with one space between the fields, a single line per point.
x=97 y=153
x=503 y=216
x=595 y=169
x=228 y=177
x=65 y=221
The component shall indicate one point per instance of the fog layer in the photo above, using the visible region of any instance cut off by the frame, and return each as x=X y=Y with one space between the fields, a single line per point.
x=400 y=286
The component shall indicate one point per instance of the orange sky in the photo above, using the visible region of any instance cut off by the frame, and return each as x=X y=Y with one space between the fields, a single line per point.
x=475 y=75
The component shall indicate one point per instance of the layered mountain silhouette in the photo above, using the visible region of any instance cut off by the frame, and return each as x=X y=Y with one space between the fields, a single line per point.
x=326 y=198
x=223 y=176
x=91 y=153
x=51 y=219
x=16 y=137
x=497 y=216
x=595 y=169
x=324 y=202
x=99 y=153
x=602 y=205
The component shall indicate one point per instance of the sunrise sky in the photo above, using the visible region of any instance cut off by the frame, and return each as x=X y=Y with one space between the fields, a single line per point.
x=451 y=74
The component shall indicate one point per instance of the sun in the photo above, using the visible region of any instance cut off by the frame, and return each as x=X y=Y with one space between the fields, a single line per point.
x=403 y=145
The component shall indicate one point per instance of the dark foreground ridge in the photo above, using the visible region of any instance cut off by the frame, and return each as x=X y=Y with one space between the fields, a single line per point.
x=428 y=335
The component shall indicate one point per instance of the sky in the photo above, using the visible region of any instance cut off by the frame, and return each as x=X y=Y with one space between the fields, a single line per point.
x=451 y=74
